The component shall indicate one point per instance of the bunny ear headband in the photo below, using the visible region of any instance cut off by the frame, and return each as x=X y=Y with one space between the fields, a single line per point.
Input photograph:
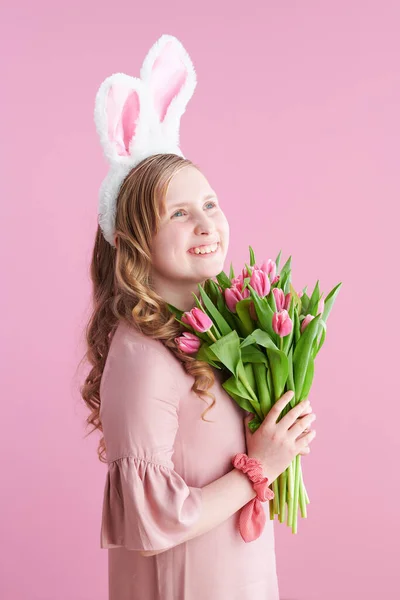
x=139 y=117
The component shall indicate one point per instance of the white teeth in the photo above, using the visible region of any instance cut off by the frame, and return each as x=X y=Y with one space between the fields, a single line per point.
x=205 y=249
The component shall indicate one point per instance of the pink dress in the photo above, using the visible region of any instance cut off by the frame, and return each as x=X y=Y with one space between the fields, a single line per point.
x=160 y=454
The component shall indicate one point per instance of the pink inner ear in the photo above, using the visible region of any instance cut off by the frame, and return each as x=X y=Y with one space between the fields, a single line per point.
x=122 y=123
x=167 y=78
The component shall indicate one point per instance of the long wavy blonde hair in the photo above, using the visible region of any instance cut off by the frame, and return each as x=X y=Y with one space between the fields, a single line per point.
x=121 y=283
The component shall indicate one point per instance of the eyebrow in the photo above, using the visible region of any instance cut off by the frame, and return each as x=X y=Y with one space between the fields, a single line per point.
x=182 y=204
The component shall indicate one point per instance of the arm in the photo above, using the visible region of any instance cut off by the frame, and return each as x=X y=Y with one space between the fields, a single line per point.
x=221 y=499
x=148 y=507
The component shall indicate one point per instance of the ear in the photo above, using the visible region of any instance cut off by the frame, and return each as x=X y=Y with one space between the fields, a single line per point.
x=118 y=111
x=170 y=77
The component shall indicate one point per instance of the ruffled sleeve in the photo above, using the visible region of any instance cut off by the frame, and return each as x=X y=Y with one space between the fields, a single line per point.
x=147 y=505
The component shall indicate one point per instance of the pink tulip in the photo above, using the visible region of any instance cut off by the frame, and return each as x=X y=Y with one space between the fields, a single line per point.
x=188 y=342
x=281 y=301
x=197 y=319
x=234 y=294
x=281 y=323
x=305 y=322
x=270 y=269
x=260 y=282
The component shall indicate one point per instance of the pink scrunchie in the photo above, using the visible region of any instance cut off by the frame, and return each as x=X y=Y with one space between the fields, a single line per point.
x=252 y=517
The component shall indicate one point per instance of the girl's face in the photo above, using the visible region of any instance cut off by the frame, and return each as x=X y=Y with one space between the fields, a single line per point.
x=192 y=219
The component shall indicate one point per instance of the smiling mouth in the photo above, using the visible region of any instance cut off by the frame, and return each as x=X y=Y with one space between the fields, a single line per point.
x=191 y=251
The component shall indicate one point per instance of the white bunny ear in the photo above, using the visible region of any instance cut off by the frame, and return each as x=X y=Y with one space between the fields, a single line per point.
x=121 y=116
x=136 y=118
x=170 y=77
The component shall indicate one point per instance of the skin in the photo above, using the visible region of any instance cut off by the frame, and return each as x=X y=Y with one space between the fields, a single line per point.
x=190 y=219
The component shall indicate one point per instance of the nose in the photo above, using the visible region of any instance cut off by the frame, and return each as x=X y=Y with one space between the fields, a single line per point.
x=204 y=225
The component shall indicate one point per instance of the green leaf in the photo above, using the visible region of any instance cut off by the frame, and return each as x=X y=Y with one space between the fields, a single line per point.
x=251 y=354
x=320 y=343
x=329 y=300
x=271 y=301
x=264 y=313
x=297 y=329
x=290 y=380
x=252 y=257
x=314 y=300
x=231 y=272
x=248 y=369
x=246 y=281
x=278 y=260
x=249 y=269
x=302 y=355
x=279 y=367
x=242 y=310
x=261 y=337
x=264 y=398
x=285 y=275
x=308 y=379
x=287 y=266
x=305 y=302
x=227 y=350
x=238 y=392
x=295 y=298
x=175 y=310
x=216 y=316
x=224 y=280
x=205 y=354
x=211 y=289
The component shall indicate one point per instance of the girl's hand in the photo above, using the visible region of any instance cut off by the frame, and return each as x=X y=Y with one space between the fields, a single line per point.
x=277 y=444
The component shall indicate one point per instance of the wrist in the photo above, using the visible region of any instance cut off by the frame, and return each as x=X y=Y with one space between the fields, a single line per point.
x=267 y=471
x=252 y=467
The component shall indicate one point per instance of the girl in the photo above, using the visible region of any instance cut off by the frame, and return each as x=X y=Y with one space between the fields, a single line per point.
x=172 y=497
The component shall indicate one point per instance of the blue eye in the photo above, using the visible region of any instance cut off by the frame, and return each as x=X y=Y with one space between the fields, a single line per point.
x=179 y=211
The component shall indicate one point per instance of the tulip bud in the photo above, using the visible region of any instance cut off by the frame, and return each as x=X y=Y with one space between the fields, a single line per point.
x=188 y=342
x=287 y=301
x=260 y=282
x=305 y=322
x=282 y=324
x=234 y=294
x=279 y=299
x=269 y=268
x=197 y=319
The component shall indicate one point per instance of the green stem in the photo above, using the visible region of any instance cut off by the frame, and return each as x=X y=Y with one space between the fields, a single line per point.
x=303 y=504
x=307 y=499
x=282 y=495
x=212 y=336
x=275 y=487
x=296 y=494
x=254 y=401
x=271 y=510
x=290 y=481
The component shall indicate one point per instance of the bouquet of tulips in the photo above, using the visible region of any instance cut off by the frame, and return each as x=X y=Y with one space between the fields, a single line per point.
x=266 y=337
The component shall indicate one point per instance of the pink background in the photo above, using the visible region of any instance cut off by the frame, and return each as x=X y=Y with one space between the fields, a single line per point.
x=295 y=122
